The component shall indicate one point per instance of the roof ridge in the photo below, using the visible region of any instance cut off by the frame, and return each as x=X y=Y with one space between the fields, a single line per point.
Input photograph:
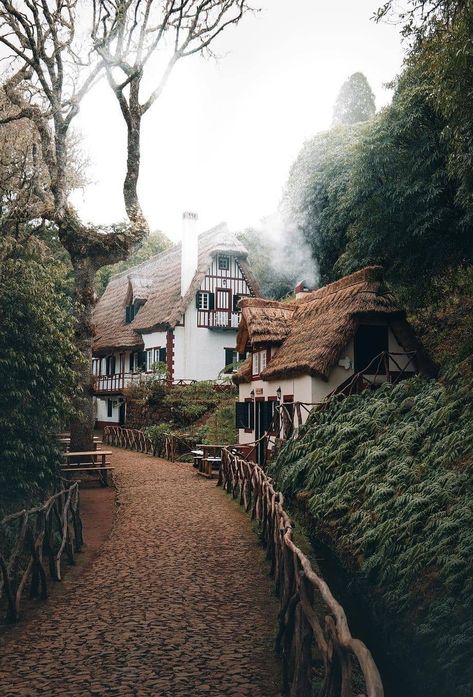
x=223 y=226
x=367 y=274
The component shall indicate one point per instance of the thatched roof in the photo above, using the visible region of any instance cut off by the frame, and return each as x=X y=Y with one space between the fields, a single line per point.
x=266 y=321
x=312 y=332
x=158 y=281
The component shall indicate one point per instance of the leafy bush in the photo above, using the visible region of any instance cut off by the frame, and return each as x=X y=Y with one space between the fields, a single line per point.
x=37 y=381
x=220 y=427
x=157 y=435
x=389 y=476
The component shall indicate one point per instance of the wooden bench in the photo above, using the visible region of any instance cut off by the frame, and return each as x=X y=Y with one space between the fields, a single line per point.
x=197 y=456
x=95 y=461
x=210 y=467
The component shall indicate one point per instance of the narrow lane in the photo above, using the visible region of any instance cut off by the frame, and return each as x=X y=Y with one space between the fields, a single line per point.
x=178 y=602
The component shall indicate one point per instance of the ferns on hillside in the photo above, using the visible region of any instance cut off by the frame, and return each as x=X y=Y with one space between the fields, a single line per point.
x=391 y=472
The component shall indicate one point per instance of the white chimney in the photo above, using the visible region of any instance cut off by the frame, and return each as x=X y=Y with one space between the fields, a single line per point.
x=189 y=251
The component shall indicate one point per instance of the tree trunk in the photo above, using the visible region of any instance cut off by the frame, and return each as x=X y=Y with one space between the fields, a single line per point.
x=82 y=424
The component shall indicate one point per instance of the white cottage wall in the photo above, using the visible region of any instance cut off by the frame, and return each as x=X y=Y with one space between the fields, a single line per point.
x=199 y=352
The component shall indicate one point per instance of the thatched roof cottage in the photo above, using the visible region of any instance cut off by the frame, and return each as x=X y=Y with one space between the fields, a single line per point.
x=179 y=309
x=307 y=348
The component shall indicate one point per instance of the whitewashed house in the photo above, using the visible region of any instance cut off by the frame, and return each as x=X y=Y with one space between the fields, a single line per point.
x=180 y=308
x=348 y=334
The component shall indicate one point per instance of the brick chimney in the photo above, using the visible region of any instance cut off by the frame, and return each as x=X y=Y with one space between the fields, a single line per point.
x=189 y=251
x=300 y=290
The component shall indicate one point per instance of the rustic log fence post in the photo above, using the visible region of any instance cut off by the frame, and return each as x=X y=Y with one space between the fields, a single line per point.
x=34 y=547
x=313 y=631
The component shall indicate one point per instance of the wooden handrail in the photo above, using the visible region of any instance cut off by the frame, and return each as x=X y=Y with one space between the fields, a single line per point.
x=29 y=537
x=314 y=637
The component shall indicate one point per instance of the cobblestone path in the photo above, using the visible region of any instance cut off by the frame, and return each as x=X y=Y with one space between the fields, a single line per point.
x=177 y=603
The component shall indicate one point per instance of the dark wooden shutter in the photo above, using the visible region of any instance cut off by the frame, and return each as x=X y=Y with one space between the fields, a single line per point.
x=243 y=411
x=236 y=300
x=141 y=360
x=132 y=362
x=266 y=415
x=109 y=408
x=129 y=313
x=228 y=360
x=113 y=363
x=211 y=301
x=162 y=355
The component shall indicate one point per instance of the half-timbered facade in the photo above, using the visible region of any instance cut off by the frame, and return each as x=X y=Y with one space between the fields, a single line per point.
x=176 y=315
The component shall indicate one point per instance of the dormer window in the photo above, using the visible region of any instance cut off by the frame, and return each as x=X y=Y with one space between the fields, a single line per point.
x=223 y=263
x=132 y=310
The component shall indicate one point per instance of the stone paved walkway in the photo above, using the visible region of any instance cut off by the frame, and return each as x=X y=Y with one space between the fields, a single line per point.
x=178 y=602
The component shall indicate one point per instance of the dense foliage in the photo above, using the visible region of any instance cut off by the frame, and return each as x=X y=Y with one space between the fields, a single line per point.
x=317 y=194
x=389 y=477
x=37 y=381
x=355 y=101
x=397 y=190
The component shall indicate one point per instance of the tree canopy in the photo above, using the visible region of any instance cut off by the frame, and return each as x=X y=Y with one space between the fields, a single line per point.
x=355 y=101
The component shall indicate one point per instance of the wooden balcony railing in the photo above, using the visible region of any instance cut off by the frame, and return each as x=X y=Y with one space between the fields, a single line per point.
x=218 y=319
x=113 y=384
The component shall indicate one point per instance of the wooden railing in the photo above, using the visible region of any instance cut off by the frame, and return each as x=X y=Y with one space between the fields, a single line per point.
x=320 y=656
x=171 y=448
x=218 y=319
x=33 y=540
x=130 y=438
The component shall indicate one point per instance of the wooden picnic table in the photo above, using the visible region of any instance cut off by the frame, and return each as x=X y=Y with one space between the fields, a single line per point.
x=210 y=460
x=66 y=442
x=94 y=461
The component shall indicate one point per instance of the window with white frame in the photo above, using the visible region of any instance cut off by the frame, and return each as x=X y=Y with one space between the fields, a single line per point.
x=203 y=301
x=153 y=356
x=259 y=361
x=223 y=263
x=96 y=366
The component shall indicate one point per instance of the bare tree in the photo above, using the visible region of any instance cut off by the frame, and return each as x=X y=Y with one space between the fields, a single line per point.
x=53 y=63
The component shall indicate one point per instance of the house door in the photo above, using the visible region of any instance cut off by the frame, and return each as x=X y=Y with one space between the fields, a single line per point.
x=263 y=420
x=122 y=414
x=261 y=446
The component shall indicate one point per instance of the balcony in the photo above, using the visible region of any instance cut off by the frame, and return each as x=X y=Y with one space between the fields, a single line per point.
x=218 y=319
x=114 y=384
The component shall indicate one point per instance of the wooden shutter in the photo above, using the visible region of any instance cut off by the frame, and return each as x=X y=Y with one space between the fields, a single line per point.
x=142 y=360
x=236 y=300
x=109 y=408
x=112 y=365
x=243 y=414
x=162 y=355
x=211 y=301
x=129 y=313
x=132 y=362
x=228 y=359
x=266 y=415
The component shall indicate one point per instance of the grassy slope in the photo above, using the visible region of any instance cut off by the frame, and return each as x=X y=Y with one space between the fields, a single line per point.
x=390 y=477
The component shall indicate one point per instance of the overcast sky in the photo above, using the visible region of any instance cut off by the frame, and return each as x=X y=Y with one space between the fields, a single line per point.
x=222 y=137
